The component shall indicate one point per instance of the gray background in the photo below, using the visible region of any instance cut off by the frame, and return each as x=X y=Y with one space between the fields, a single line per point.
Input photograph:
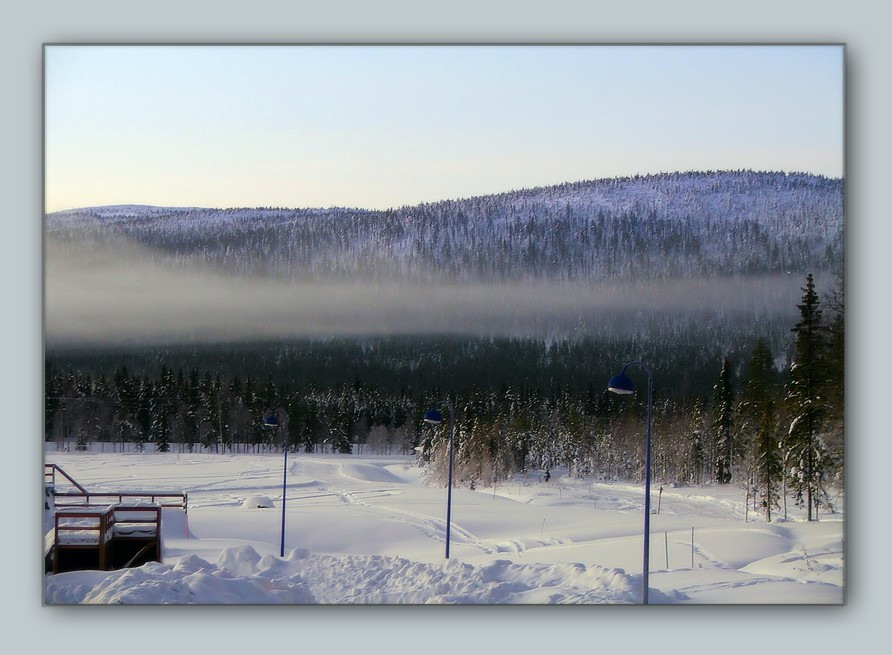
x=862 y=25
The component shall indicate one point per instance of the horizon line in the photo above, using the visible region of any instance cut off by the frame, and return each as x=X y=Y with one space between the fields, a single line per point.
x=462 y=198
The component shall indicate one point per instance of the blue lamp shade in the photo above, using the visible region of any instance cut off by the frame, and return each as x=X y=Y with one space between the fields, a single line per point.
x=271 y=421
x=433 y=416
x=621 y=384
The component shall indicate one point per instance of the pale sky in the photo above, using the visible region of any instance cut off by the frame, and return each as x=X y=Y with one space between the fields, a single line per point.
x=385 y=126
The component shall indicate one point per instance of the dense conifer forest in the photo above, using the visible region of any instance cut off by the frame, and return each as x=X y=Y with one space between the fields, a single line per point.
x=643 y=227
x=720 y=416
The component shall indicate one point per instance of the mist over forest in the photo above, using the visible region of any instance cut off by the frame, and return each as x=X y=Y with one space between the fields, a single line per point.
x=124 y=296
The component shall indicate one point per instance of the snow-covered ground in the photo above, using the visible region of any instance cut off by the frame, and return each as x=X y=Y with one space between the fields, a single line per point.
x=370 y=530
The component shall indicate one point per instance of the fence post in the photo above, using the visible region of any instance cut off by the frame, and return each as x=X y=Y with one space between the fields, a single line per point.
x=692 y=546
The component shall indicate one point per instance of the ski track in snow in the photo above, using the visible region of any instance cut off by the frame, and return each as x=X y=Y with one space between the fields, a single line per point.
x=430 y=527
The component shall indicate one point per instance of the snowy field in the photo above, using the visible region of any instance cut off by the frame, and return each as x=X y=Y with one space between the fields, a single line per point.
x=370 y=530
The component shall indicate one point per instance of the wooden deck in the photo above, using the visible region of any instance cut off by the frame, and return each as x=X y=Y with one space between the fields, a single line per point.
x=106 y=530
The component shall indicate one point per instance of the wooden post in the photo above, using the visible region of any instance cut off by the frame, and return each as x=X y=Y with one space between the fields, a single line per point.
x=692 y=546
x=100 y=541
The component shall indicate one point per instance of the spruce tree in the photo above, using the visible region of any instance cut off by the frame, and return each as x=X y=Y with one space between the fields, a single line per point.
x=51 y=399
x=309 y=425
x=723 y=416
x=160 y=428
x=125 y=403
x=696 y=455
x=82 y=440
x=835 y=376
x=805 y=405
x=342 y=435
x=757 y=424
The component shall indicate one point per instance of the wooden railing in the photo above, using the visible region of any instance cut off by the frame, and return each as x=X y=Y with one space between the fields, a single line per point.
x=49 y=476
x=89 y=498
x=97 y=528
x=136 y=521
x=84 y=528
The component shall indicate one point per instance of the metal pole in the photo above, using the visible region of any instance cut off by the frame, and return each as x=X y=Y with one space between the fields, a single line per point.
x=646 y=564
x=449 y=492
x=284 y=479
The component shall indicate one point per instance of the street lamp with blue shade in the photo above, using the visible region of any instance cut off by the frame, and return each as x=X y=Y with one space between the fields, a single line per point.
x=434 y=416
x=621 y=384
x=272 y=422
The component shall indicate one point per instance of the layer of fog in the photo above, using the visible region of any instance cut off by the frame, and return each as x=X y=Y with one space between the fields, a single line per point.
x=129 y=295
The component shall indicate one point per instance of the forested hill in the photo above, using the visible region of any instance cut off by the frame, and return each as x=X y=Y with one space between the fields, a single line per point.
x=643 y=227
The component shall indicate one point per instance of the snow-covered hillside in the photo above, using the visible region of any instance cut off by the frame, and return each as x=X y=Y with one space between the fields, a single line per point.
x=659 y=226
x=371 y=530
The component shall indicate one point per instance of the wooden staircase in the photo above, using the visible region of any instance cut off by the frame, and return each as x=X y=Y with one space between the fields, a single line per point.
x=106 y=530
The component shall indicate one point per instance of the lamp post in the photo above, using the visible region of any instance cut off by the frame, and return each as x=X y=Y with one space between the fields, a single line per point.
x=434 y=416
x=622 y=384
x=272 y=421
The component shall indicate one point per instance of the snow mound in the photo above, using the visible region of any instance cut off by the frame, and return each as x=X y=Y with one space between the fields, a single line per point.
x=256 y=502
x=155 y=584
x=332 y=471
x=368 y=473
x=824 y=565
x=240 y=560
x=242 y=576
x=192 y=563
x=405 y=473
